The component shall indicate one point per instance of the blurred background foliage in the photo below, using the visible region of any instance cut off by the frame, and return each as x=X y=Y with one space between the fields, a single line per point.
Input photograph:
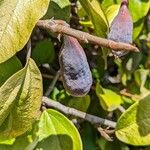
x=123 y=82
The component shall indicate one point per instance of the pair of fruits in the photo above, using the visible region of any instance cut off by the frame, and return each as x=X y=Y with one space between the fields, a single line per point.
x=76 y=74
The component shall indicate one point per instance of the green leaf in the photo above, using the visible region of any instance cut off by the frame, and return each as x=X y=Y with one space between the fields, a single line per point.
x=141 y=6
x=43 y=52
x=107 y=145
x=21 y=142
x=141 y=76
x=7 y=141
x=62 y=4
x=106 y=3
x=60 y=132
x=20 y=101
x=97 y=16
x=99 y=20
x=88 y=134
x=59 y=9
x=133 y=127
x=27 y=141
x=80 y=103
x=17 y=22
x=109 y=100
x=111 y=12
x=8 y=68
x=132 y=62
x=138 y=26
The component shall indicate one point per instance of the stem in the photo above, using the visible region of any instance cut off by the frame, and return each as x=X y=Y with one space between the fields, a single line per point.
x=71 y=111
x=122 y=109
x=50 y=88
x=58 y=26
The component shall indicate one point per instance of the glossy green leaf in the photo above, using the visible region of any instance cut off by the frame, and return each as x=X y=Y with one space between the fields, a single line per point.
x=80 y=103
x=20 y=101
x=59 y=9
x=17 y=20
x=111 y=12
x=142 y=7
x=141 y=76
x=43 y=52
x=99 y=20
x=88 y=135
x=106 y=3
x=97 y=16
x=8 y=68
x=109 y=100
x=138 y=26
x=60 y=132
x=133 y=127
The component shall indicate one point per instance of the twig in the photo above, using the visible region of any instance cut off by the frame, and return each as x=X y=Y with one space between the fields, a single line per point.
x=104 y=133
x=122 y=109
x=50 y=88
x=58 y=26
x=71 y=111
x=132 y=96
x=29 y=49
x=50 y=76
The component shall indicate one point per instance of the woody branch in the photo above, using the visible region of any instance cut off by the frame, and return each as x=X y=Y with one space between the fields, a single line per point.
x=59 y=26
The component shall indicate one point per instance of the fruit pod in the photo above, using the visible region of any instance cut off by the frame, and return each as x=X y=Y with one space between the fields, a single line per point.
x=121 y=28
x=75 y=71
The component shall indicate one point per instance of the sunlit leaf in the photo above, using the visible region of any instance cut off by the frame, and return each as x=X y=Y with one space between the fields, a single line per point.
x=109 y=100
x=133 y=127
x=20 y=101
x=140 y=76
x=58 y=132
x=97 y=16
x=17 y=20
x=111 y=12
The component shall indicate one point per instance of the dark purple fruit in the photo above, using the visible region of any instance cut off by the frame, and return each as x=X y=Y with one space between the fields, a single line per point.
x=121 y=28
x=75 y=71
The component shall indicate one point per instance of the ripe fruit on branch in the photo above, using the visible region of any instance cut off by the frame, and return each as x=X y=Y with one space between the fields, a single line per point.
x=121 y=28
x=75 y=71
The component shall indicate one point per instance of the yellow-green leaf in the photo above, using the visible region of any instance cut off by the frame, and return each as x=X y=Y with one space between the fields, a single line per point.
x=80 y=103
x=17 y=20
x=8 y=68
x=109 y=100
x=133 y=127
x=58 y=132
x=111 y=12
x=20 y=101
x=97 y=16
